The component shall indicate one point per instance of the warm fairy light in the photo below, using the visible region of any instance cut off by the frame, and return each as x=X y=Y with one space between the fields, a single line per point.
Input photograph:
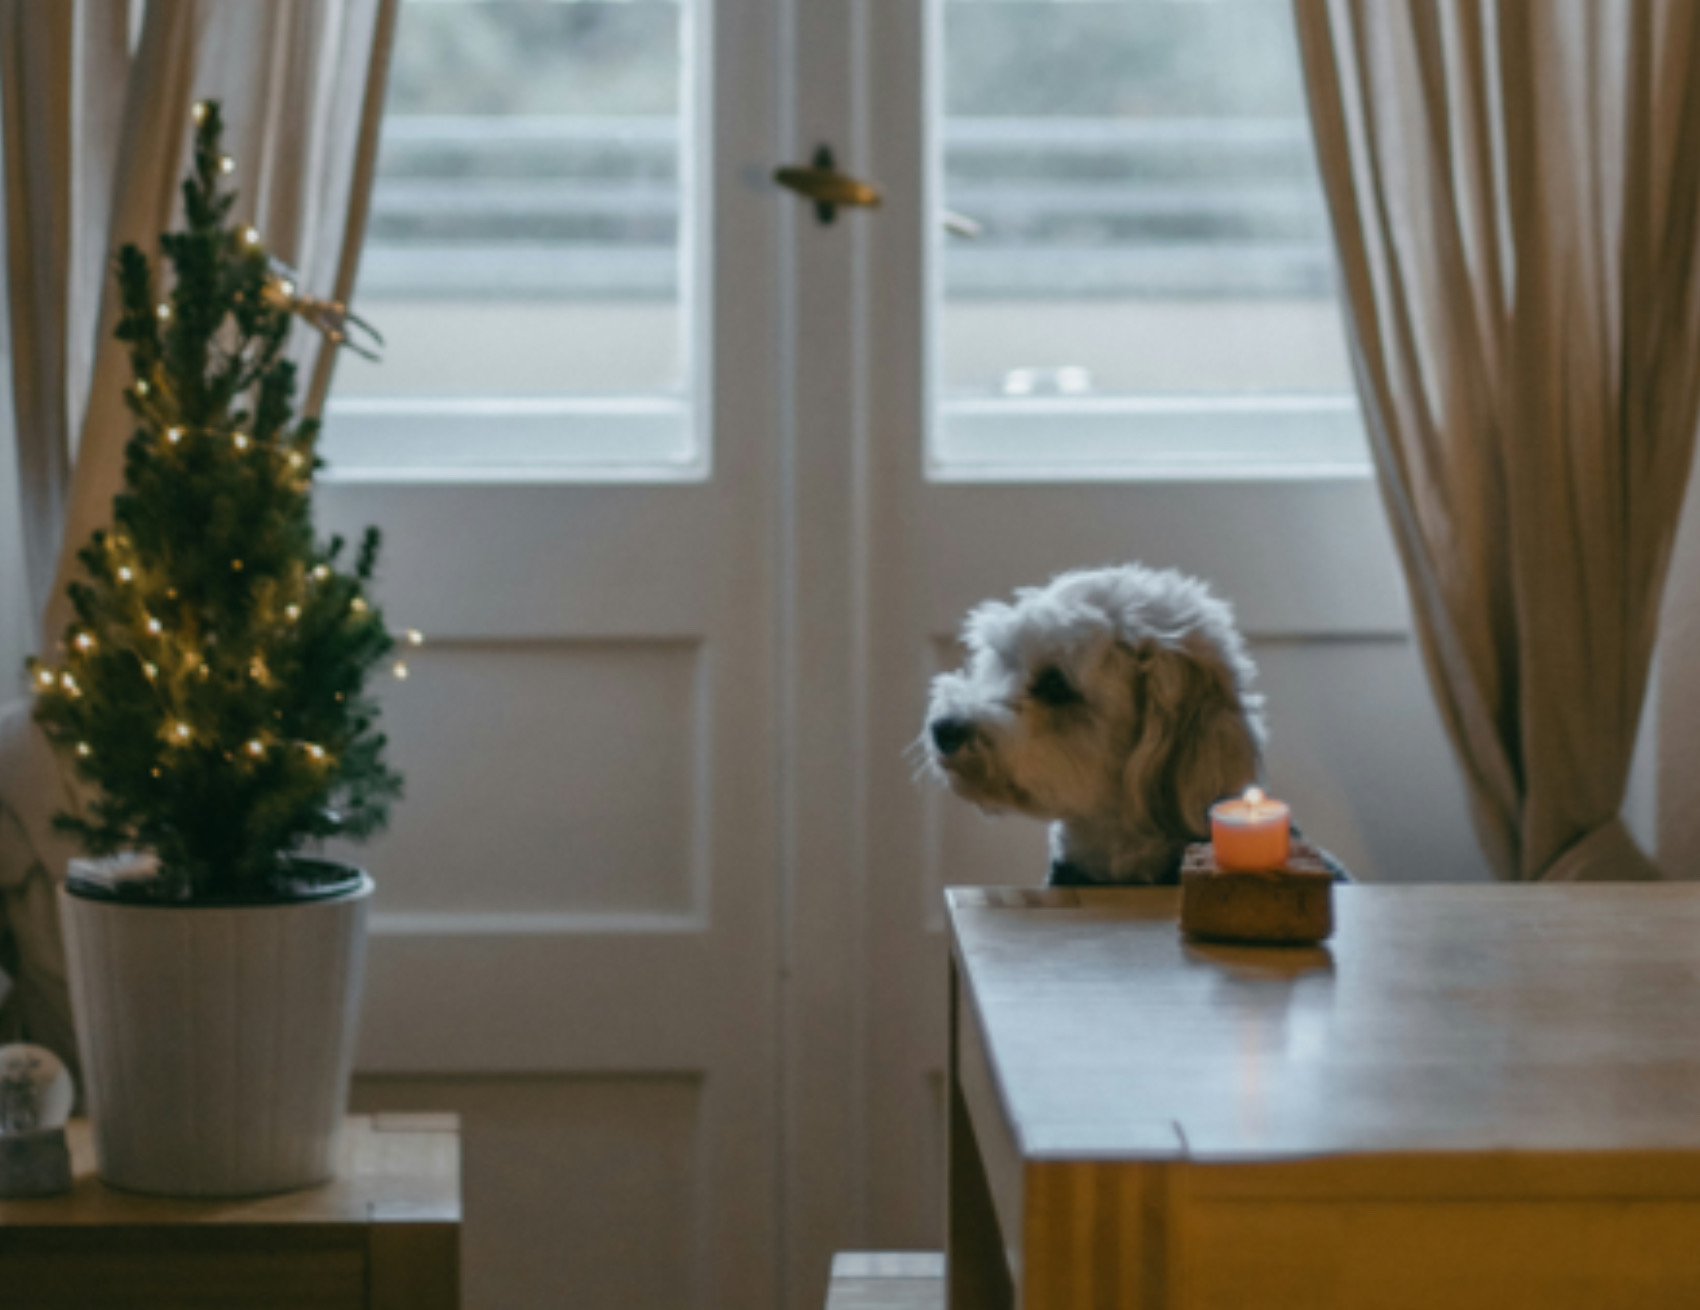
x=236 y=566
x=180 y=731
x=155 y=771
x=174 y=435
x=400 y=671
x=226 y=164
x=292 y=612
x=240 y=441
x=84 y=749
x=256 y=748
x=287 y=287
x=314 y=751
x=415 y=637
x=124 y=573
x=322 y=573
x=199 y=112
x=358 y=605
x=69 y=684
x=45 y=678
x=296 y=459
x=83 y=642
x=250 y=236
x=151 y=669
x=164 y=312
x=154 y=626
x=142 y=387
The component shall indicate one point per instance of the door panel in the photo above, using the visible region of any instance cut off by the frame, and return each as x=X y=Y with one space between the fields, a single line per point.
x=598 y=1182
x=1300 y=547
x=575 y=944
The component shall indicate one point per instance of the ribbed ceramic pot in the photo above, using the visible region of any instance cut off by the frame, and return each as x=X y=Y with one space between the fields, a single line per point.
x=217 y=1041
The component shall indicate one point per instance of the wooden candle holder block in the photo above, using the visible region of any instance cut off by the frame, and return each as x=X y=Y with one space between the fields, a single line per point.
x=1290 y=906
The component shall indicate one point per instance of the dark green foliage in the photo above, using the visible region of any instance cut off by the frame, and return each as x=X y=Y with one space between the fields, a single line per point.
x=211 y=687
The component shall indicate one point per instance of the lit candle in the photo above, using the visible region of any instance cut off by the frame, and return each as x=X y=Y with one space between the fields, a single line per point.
x=1250 y=833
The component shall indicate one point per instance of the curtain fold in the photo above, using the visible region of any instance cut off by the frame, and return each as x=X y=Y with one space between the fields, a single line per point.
x=97 y=139
x=1514 y=188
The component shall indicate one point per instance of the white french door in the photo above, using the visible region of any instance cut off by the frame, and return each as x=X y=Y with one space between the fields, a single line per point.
x=573 y=452
x=689 y=492
x=1093 y=323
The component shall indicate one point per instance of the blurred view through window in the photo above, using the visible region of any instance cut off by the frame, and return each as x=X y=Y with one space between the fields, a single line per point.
x=1151 y=280
x=529 y=252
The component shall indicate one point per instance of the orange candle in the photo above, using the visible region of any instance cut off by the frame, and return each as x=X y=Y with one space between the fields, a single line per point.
x=1250 y=833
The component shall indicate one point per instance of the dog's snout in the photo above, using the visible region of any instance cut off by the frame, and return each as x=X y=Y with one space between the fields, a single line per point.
x=951 y=735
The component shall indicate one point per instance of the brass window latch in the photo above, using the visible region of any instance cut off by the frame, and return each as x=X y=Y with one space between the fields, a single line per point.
x=826 y=187
x=830 y=191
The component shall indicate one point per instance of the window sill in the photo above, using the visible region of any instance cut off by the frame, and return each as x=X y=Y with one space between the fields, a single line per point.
x=1252 y=438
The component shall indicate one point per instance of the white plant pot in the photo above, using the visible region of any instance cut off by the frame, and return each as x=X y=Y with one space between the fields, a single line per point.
x=217 y=1042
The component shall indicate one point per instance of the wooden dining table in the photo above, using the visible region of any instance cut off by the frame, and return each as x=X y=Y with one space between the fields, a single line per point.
x=1470 y=1097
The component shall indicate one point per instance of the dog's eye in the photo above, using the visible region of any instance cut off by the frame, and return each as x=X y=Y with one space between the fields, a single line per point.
x=1051 y=687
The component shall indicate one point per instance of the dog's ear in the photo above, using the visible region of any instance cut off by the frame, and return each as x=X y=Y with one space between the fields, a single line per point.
x=1198 y=739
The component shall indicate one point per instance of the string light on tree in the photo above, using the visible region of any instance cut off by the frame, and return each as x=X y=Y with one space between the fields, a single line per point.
x=209 y=605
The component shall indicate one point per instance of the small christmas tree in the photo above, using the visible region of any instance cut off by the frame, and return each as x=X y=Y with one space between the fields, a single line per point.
x=211 y=686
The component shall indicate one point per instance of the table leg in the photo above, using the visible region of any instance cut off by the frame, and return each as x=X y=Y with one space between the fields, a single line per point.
x=977 y=1275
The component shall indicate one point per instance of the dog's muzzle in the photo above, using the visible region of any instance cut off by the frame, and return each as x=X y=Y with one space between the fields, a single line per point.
x=950 y=735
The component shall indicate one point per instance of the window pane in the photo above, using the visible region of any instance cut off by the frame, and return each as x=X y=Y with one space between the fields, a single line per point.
x=1153 y=256
x=527 y=252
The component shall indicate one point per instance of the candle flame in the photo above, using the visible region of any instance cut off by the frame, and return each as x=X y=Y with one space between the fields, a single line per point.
x=1253 y=796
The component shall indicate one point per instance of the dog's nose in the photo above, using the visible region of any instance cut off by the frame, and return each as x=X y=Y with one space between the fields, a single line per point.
x=951 y=735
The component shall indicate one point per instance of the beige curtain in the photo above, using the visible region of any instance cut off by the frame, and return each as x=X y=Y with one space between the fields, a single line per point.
x=1515 y=191
x=96 y=140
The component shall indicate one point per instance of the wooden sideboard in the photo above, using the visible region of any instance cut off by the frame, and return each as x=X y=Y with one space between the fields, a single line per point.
x=1475 y=1098
x=384 y=1235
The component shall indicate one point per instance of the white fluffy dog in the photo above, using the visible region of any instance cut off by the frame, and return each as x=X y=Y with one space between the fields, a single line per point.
x=1116 y=702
